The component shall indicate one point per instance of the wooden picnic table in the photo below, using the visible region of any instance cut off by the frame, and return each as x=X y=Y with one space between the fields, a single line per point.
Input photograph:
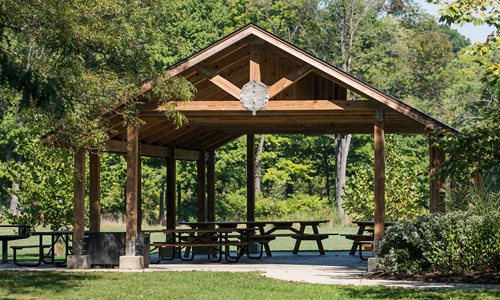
x=363 y=236
x=49 y=258
x=298 y=234
x=23 y=232
x=214 y=239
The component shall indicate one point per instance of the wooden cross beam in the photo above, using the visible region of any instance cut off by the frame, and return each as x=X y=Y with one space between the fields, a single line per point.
x=115 y=146
x=220 y=81
x=288 y=80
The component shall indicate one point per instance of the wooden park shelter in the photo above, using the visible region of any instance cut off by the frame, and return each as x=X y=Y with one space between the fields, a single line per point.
x=305 y=96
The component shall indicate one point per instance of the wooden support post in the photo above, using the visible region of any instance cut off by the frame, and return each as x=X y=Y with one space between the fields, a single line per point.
x=200 y=168
x=132 y=184
x=250 y=177
x=139 y=192
x=171 y=185
x=79 y=202
x=211 y=186
x=436 y=157
x=95 y=191
x=379 y=190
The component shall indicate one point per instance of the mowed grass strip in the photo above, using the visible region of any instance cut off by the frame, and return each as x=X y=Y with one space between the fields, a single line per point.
x=196 y=285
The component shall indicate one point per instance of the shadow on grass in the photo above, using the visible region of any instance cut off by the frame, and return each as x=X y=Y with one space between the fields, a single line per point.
x=377 y=292
x=18 y=284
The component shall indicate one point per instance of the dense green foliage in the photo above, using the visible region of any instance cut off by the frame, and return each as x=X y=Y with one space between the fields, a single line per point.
x=71 y=61
x=467 y=237
x=477 y=12
x=407 y=186
x=476 y=149
x=61 y=64
x=454 y=242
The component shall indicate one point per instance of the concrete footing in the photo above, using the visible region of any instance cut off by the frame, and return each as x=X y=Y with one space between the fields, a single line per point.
x=131 y=262
x=79 y=262
x=373 y=264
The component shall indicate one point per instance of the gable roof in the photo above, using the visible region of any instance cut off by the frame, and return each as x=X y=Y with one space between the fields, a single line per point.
x=333 y=73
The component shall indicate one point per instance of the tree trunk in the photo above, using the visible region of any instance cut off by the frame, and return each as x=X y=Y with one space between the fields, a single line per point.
x=179 y=195
x=15 y=188
x=258 y=163
x=223 y=189
x=342 y=145
x=14 y=199
x=326 y=169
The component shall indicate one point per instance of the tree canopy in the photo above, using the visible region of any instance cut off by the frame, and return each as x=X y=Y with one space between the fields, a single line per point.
x=63 y=63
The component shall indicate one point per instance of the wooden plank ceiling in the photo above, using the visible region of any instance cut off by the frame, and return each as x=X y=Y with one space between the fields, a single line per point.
x=303 y=100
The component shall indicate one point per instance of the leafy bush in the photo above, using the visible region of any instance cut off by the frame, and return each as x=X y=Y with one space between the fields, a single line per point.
x=300 y=206
x=454 y=242
x=232 y=206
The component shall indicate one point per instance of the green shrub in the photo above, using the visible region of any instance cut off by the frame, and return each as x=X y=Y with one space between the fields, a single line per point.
x=455 y=242
x=232 y=206
x=298 y=206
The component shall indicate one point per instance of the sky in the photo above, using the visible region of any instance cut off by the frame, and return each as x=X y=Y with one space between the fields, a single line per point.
x=474 y=33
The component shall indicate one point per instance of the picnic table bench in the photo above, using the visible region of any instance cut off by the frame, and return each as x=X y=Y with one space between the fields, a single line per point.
x=217 y=240
x=268 y=235
x=364 y=237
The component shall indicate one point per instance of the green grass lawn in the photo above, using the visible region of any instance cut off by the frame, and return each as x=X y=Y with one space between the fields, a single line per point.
x=196 y=285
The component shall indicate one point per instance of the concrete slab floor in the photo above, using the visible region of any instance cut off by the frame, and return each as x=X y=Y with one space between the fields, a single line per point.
x=332 y=268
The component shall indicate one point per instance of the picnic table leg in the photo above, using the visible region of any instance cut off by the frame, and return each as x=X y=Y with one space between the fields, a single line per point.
x=266 y=245
x=318 y=241
x=69 y=242
x=5 y=253
x=50 y=253
x=53 y=240
x=187 y=250
x=354 y=247
x=60 y=238
x=297 y=242
x=66 y=248
x=40 y=251
x=361 y=252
